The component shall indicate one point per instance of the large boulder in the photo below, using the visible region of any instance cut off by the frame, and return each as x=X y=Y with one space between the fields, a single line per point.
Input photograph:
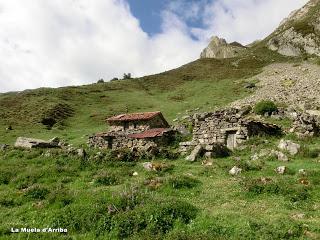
x=289 y=146
x=219 y=48
x=23 y=142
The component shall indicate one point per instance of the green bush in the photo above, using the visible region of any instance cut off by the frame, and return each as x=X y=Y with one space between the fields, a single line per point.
x=61 y=197
x=263 y=107
x=180 y=182
x=37 y=192
x=157 y=219
x=5 y=177
x=290 y=190
x=106 y=178
x=306 y=152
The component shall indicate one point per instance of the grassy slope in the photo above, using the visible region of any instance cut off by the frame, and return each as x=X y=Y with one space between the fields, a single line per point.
x=227 y=207
x=205 y=83
x=67 y=193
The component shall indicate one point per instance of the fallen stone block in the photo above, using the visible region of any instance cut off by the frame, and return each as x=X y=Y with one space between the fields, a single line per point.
x=195 y=153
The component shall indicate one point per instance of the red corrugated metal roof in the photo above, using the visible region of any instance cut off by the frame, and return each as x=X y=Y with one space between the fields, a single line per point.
x=134 y=116
x=151 y=133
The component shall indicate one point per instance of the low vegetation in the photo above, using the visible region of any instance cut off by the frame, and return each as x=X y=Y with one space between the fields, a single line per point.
x=102 y=198
x=264 y=107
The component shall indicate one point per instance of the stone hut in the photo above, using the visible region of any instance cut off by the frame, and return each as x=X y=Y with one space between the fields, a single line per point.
x=226 y=127
x=140 y=131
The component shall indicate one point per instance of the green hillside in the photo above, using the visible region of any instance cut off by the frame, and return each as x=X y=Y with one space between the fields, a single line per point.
x=104 y=196
x=80 y=111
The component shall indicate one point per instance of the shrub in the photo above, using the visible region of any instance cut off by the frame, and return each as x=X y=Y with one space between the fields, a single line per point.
x=106 y=178
x=127 y=200
x=306 y=152
x=293 y=192
x=100 y=80
x=5 y=177
x=263 y=107
x=61 y=197
x=36 y=192
x=79 y=218
x=157 y=218
x=127 y=76
x=180 y=182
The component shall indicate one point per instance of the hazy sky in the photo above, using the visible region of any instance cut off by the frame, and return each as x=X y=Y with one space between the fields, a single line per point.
x=68 y=42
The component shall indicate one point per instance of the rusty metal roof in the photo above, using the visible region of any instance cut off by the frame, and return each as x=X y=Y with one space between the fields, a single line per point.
x=151 y=133
x=134 y=116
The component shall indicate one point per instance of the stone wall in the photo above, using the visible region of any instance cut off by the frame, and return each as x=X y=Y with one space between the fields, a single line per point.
x=138 y=125
x=121 y=140
x=226 y=127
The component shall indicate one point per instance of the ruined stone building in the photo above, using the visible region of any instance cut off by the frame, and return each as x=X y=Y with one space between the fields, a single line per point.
x=140 y=131
x=227 y=127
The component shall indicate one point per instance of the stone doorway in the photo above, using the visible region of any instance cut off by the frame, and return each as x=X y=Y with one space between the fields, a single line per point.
x=231 y=140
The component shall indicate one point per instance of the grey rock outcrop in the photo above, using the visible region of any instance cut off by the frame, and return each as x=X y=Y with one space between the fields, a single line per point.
x=219 y=48
x=23 y=142
x=299 y=33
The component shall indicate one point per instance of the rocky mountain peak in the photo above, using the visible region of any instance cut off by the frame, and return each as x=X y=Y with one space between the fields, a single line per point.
x=299 y=33
x=219 y=48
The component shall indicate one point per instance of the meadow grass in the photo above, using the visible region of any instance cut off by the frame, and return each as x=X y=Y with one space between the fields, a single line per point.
x=102 y=199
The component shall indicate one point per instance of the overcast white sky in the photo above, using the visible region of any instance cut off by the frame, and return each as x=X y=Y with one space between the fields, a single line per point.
x=70 y=42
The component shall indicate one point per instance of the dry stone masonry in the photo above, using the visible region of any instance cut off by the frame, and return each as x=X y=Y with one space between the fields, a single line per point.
x=226 y=128
x=136 y=131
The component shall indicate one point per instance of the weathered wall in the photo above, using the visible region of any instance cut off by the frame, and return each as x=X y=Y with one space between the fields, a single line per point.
x=122 y=141
x=141 y=125
x=210 y=128
x=227 y=127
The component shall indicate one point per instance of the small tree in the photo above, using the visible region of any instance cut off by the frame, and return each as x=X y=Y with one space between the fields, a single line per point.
x=265 y=106
x=100 y=80
x=127 y=76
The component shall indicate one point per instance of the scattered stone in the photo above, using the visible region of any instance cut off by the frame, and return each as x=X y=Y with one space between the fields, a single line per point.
x=261 y=154
x=135 y=174
x=81 y=153
x=291 y=147
x=281 y=169
x=280 y=156
x=249 y=85
x=207 y=163
x=23 y=142
x=235 y=171
x=302 y=172
x=3 y=147
x=47 y=154
x=195 y=153
x=298 y=216
x=265 y=180
x=148 y=166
